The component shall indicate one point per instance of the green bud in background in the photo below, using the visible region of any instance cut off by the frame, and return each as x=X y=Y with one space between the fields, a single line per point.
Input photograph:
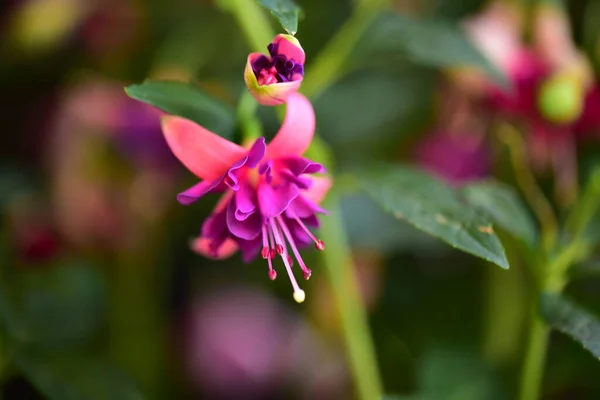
x=560 y=98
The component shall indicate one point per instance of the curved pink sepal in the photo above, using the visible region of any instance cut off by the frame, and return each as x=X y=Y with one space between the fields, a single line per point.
x=204 y=153
x=289 y=46
x=297 y=130
x=201 y=246
x=268 y=95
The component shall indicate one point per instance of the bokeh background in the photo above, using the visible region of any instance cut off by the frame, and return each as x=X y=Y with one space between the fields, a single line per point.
x=98 y=279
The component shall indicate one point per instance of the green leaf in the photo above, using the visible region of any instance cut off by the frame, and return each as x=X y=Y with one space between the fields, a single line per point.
x=570 y=319
x=52 y=309
x=188 y=101
x=434 y=208
x=432 y=43
x=286 y=12
x=504 y=206
x=76 y=377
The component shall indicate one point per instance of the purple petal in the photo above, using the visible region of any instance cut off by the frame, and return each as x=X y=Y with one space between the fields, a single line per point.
x=301 y=239
x=300 y=181
x=300 y=165
x=311 y=221
x=251 y=160
x=304 y=208
x=247 y=229
x=256 y=152
x=266 y=169
x=249 y=248
x=197 y=191
x=233 y=181
x=273 y=202
x=245 y=202
x=215 y=229
x=260 y=63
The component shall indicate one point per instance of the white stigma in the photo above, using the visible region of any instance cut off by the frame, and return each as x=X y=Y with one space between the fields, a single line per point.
x=299 y=295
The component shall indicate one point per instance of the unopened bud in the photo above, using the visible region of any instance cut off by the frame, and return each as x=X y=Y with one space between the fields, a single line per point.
x=561 y=98
x=271 y=79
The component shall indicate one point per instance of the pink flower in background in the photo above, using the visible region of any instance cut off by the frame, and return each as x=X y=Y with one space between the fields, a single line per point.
x=271 y=79
x=269 y=200
x=241 y=342
x=456 y=149
x=551 y=94
x=457 y=158
x=96 y=126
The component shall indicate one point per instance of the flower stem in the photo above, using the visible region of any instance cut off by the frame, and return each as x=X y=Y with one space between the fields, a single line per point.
x=339 y=266
x=553 y=280
x=246 y=115
x=255 y=25
x=535 y=357
x=528 y=185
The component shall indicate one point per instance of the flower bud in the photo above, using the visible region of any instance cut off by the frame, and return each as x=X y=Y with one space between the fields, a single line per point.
x=271 y=79
x=560 y=98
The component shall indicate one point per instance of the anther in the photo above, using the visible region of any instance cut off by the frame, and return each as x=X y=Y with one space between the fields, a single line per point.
x=320 y=245
x=299 y=295
x=272 y=274
x=272 y=254
x=306 y=273
x=279 y=249
x=265 y=252
x=290 y=260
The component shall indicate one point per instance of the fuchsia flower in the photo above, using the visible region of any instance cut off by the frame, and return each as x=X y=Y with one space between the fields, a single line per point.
x=552 y=91
x=457 y=158
x=268 y=198
x=271 y=79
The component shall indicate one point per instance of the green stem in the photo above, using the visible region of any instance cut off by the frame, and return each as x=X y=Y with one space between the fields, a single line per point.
x=528 y=185
x=553 y=281
x=535 y=357
x=246 y=114
x=252 y=20
x=339 y=266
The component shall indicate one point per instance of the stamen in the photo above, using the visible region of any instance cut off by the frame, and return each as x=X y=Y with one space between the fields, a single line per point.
x=266 y=253
x=272 y=272
x=319 y=244
x=279 y=249
x=271 y=241
x=299 y=294
x=290 y=239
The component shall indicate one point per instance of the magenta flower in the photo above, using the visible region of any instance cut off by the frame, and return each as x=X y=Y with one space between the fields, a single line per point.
x=269 y=200
x=458 y=158
x=271 y=79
